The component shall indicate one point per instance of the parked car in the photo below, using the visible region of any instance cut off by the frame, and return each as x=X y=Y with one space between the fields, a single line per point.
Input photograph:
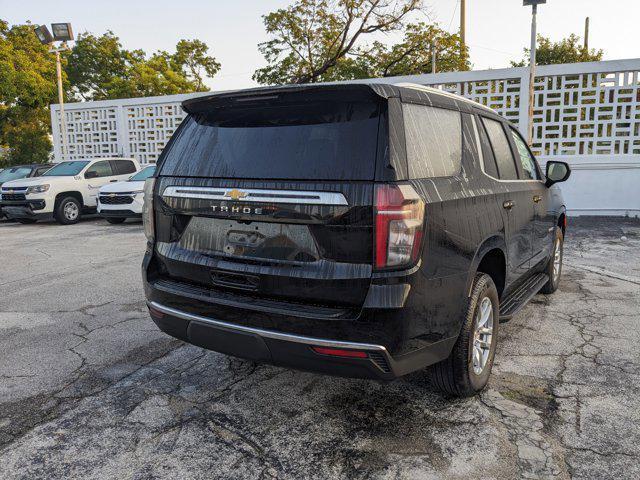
x=64 y=192
x=122 y=200
x=22 y=171
x=364 y=230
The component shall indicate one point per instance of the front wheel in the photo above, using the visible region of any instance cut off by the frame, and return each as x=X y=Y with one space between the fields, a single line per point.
x=466 y=371
x=554 y=267
x=68 y=211
x=115 y=220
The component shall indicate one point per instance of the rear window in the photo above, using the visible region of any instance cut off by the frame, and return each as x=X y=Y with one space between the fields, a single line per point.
x=434 y=141
x=310 y=140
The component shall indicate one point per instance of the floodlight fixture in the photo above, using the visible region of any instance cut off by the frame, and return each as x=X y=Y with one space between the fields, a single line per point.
x=43 y=34
x=62 y=32
x=530 y=3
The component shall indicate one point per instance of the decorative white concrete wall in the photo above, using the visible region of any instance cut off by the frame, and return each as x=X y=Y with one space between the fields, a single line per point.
x=587 y=114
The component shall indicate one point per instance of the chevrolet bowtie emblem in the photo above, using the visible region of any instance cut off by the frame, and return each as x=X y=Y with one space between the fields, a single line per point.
x=236 y=194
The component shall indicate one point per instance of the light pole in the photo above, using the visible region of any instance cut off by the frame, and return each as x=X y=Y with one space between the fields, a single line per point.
x=63 y=33
x=532 y=60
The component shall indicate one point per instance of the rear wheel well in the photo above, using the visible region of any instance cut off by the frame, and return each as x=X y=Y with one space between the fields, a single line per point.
x=493 y=264
x=76 y=195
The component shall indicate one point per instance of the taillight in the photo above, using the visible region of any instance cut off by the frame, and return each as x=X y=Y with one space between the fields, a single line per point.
x=147 y=209
x=399 y=219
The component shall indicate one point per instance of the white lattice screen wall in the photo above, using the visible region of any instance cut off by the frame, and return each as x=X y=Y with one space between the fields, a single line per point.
x=586 y=113
x=135 y=127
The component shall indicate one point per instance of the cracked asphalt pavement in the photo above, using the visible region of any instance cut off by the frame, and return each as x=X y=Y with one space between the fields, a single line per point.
x=89 y=388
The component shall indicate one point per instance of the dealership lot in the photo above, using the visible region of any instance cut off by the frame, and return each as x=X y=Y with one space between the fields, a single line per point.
x=90 y=388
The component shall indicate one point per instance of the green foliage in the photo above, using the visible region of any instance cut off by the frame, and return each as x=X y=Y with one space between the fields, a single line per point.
x=412 y=56
x=27 y=87
x=94 y=62
x=99 y=68
x=322 y=40
x=26 y=132
x=567 y=50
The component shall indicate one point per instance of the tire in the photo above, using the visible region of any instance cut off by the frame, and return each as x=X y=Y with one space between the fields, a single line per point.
x=554 y=275
x=26 y=221
x=68 y=211
x=461 y=374
x=115 y=220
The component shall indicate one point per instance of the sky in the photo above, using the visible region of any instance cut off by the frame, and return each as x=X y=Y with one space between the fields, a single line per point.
x=497 y=30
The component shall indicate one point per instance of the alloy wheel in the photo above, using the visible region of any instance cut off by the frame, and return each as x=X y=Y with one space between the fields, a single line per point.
x=557 y=260
x=482 y=335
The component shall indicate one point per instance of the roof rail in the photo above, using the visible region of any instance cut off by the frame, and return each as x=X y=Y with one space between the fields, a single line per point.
x=437 y=91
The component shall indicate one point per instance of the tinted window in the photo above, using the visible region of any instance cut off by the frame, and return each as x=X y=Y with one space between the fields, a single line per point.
x=122 y=167
x=66 y=169
x=14 y=173
x=488 y=159
x=313 y=140
x=501 y=149
x=143 y=174
x=434 y=141
x=41 y=170
x=102 y=169
x=526 y=159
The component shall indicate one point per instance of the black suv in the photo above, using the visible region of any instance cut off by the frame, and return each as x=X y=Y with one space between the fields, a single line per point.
x=357 y=229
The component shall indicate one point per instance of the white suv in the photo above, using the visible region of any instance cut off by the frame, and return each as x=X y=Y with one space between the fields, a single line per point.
x=121 y=200
x=65 y=191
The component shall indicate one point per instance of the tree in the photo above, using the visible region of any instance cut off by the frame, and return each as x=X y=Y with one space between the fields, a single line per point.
x=412 y=56
x=96 y=61
x=27 y=87
x=191 y=59
x=313 y=40
x=100 y=68
x=567 y=50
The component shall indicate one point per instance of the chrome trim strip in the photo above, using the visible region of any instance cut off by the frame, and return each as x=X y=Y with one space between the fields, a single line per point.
x=257 y=195
x=288 y=337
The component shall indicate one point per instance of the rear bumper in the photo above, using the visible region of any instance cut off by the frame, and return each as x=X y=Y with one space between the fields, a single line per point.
x=290 y=350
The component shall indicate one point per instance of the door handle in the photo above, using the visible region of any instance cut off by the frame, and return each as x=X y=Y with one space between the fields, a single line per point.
x=113 y=181
x=537 y=198
x=508 y=204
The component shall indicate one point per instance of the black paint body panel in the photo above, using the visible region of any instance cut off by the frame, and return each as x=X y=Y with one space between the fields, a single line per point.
x=333 y=291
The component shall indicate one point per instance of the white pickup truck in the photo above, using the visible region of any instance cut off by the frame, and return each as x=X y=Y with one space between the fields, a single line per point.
x=64 y=192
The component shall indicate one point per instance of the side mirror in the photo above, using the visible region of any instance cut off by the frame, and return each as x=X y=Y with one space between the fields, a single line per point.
x=91 y=174
x=557 y=172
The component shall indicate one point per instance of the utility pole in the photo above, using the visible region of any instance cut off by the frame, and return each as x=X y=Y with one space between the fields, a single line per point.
x=62 y=32
x=532 y=60
x=434 y=47
x=586 y=35
x=463 y=31
x=63 y=119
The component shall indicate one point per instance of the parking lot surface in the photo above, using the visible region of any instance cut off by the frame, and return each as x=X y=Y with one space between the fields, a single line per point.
x=89 y=388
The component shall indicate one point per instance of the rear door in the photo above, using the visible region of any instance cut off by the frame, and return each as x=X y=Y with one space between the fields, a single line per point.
x=272 y=199
x=516 y=202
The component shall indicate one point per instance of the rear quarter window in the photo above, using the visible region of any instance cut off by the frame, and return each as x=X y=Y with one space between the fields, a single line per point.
x=434 y=141
x=501 y=149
